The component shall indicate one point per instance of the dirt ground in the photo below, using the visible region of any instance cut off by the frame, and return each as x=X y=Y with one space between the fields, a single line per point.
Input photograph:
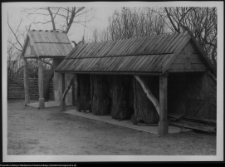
x=49 y=132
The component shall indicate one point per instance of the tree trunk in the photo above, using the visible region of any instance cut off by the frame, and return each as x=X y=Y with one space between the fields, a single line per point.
x=100 y=95
x=121 y=98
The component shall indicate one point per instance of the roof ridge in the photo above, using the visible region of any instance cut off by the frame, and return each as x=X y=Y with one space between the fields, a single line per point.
x=137 y=37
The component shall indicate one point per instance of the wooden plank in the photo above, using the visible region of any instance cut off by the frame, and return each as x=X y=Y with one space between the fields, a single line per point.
x=180 y=43
x=179 y=61
x=195 y=60
x=203 y=54
x=199 y=67
x=177 y=66
x=194 y=125
x=148 y=93
x=168 y=64
x=158 y=44
x=133 y=47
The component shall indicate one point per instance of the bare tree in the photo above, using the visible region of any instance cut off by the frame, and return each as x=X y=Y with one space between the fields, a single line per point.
x=60 y=18
x=135 y=22
x=202 y=22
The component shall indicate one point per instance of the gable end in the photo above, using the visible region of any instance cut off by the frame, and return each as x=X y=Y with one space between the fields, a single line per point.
x=189 y=59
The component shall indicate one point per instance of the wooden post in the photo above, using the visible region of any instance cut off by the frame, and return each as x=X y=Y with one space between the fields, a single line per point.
x=63 y=100
x=163 y=124
x=40 y=83
x=26 y=84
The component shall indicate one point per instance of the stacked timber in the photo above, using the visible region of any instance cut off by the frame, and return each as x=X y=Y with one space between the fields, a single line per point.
x=144 y=110
x=100 y=95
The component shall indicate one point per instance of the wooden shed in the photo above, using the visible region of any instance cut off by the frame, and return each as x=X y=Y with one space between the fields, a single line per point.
x=45 y=44
x=143 y=79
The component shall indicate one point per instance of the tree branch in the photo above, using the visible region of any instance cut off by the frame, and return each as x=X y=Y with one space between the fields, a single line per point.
x=13 y=32
x=171 y=21
x=52 y=18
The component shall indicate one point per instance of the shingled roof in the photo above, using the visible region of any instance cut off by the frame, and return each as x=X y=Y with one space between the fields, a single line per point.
x=46 y=44
x=151 y=54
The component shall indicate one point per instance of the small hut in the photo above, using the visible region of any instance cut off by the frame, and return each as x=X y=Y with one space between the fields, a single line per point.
x=143 y=79
x=45 y=44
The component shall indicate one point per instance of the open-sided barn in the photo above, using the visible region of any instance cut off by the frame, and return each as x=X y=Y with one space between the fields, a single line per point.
x=143 y=79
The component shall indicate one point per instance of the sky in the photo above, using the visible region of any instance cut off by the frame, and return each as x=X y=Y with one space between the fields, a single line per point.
x=99 y=21
x=101 y=11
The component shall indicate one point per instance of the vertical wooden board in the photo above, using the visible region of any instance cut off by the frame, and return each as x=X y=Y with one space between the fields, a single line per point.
x=197 y=99
x=83 y=98
x=176 y=94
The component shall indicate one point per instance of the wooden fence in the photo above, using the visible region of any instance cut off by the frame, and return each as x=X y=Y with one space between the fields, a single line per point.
x=16 y=89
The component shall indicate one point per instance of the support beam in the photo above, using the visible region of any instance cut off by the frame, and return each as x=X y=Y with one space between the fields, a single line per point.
x=63 y=103
x=40 y=83
x=26 y=83
x=163 y=124
x=150 y=96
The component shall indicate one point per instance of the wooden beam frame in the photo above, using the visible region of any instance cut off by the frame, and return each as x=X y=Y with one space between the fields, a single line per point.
x=163 y=124
x=148 y=92
x=40 y=84
x=26 y=83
